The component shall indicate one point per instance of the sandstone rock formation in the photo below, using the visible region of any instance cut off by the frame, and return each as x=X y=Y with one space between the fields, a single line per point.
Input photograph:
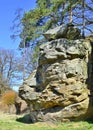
x=64 y=31
x=60 y=89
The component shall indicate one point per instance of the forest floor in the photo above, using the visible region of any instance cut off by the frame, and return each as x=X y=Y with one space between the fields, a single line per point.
x=22 y=122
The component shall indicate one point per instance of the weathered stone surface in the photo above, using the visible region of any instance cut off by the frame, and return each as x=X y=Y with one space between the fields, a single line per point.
x=64 y=31
x=63 y=80
x=27 y=90
x=31 y=80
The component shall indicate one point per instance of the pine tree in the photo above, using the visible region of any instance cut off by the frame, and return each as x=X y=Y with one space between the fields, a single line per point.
x=51 y=13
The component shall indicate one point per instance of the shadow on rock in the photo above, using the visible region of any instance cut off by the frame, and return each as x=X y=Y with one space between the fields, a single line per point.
x=25 y=119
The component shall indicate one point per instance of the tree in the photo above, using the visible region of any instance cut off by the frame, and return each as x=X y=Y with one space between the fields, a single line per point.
x=47 y=14
x=11 y=69
x=83 y=16
x=6 y=59
x=51 y=13
x=3 y=86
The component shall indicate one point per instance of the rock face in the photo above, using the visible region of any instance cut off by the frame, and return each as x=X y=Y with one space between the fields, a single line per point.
x=60 y=88
x=64 y=31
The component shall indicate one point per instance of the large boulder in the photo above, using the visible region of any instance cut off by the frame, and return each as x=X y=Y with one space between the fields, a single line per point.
x=60 y=89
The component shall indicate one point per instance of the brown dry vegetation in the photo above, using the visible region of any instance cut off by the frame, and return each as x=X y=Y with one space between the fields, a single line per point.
x=9 y=98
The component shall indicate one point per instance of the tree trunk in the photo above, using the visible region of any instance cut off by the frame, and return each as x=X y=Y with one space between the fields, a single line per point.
x=18 y=108
x=70 y=12
x=63 y=7
x=83 y=18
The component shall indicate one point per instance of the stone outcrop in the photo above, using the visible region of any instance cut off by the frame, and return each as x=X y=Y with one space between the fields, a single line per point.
x=64 y=31
x=60 y=88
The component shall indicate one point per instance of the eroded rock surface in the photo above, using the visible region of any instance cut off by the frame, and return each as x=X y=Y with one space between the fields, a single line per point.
x=64 y=31
x=59 y=90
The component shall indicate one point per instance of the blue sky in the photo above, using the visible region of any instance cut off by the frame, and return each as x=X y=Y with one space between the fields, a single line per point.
x=7 y=11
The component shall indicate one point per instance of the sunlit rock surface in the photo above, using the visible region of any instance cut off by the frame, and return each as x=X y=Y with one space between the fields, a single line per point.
x=61 y=87
x=64 y=31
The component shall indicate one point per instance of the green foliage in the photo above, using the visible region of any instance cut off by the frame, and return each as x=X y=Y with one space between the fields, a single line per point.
x=47 y=14
x=51 y=13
